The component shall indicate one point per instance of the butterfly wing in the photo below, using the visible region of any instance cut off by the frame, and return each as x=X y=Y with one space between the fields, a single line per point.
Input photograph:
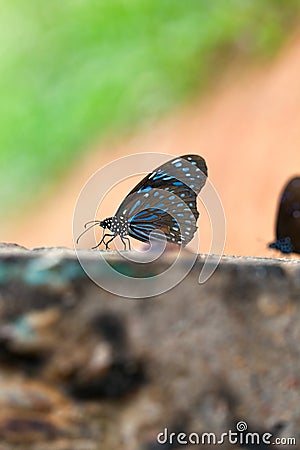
x=156 y=221
x=166 y=199
x=288 y=219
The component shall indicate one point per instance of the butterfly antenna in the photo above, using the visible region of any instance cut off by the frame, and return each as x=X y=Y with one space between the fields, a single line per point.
x=92 y=221
x=95 y=222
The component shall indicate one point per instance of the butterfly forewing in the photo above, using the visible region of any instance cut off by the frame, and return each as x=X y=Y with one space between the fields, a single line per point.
x=180 y=175
x=166 y=200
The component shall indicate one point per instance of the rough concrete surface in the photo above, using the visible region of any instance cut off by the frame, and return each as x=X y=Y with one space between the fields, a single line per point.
x=82 y=369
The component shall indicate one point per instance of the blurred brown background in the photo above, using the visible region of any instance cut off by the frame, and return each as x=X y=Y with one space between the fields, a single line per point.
x=245 y=121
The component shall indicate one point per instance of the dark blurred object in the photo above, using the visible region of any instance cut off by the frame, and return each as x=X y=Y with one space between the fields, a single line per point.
x=288 y=219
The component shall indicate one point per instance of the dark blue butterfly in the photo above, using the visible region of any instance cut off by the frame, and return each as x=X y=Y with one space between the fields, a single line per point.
x=163 y=204
x=288 y=219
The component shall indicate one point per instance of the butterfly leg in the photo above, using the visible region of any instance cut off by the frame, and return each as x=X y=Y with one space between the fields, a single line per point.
x=102 y=240
x=106 y=243
x=127 y=239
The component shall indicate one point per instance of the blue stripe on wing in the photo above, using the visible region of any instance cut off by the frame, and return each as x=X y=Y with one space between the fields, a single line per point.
x=137 y=203
x=146 y=214
x=159 y=224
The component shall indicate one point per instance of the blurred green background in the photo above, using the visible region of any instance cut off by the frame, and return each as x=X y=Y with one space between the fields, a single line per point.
x=76 y=71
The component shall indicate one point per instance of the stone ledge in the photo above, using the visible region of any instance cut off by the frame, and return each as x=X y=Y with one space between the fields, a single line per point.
x=83 y=369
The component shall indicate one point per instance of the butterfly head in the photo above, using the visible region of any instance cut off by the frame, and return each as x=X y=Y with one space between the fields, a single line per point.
x=106 y=223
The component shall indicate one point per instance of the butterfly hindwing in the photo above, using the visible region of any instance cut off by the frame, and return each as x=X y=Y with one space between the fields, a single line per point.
x=162 y=225
x=155 y=221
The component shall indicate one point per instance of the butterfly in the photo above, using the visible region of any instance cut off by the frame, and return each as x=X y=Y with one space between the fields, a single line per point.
x=288 y=219
x=162 y=206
